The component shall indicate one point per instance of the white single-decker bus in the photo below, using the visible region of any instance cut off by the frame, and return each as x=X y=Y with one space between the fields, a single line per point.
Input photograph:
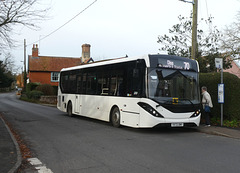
x=140 y=92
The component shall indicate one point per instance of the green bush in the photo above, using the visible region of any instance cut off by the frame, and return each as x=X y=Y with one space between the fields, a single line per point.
x=31 y=86
x=55 y=90
x=34 y=94
x=47 y=89
x=232 y=94
x=227 y=123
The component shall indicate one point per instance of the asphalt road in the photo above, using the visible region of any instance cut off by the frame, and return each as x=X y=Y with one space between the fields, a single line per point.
x=77 y=145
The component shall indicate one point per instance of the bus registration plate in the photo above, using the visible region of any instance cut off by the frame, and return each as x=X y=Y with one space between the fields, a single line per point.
x=177 y=124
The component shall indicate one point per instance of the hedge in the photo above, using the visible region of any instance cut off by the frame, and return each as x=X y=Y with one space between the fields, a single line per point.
x=34 y=94
x=47 y=89
x=231 y=107
x=31 y=86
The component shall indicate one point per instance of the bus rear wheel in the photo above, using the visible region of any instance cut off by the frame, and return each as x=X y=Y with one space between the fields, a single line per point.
x=115 y=117
x=69 y=109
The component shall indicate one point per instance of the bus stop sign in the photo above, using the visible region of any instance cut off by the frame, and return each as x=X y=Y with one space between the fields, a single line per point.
x=220 y=93
x=219 y=63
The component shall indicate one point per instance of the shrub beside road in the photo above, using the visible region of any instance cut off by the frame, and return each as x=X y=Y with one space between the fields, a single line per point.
x=231 y=106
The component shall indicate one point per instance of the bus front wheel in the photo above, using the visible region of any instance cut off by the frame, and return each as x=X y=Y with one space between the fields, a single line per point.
x=115 y=117
x=69 y=109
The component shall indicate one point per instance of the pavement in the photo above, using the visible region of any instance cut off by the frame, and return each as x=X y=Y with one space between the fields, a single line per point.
x=10 y=156
x=220 y=131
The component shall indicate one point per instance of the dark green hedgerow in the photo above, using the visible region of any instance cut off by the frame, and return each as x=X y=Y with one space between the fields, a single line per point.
x=232 y=94
x=46 y=89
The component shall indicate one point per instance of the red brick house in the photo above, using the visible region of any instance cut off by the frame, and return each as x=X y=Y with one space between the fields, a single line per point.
x=46 y=69
x=234 y=70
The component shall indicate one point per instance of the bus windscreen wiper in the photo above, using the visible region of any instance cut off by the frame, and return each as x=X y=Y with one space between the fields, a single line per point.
x=163 y=102
x=187 y=100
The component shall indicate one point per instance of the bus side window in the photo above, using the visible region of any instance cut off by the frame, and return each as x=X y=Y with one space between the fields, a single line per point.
x=84 y=83
x=120 y=89
x=135 y=78
x=79 y=84
x=64 y=82
x=116 y=83
x=72 y=83
x=113 y=86
x=99 y=85
x=103 y=85
x=91 y=83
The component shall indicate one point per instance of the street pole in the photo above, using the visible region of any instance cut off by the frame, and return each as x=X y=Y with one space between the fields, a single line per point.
x=221 y=92
x=194 y=30
x=25 y=71
x=222 y=103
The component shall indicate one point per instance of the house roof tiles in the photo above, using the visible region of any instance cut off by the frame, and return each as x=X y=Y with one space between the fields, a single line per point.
x=47 y=63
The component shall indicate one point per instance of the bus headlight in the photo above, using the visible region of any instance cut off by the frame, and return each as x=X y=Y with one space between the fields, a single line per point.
x=150 y=109
x=196 y=113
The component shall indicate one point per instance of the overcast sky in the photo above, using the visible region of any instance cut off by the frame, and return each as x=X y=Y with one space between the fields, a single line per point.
x=115 y=28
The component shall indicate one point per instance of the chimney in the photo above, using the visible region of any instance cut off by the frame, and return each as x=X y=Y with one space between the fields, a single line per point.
x=35 y=50
x=85 y=52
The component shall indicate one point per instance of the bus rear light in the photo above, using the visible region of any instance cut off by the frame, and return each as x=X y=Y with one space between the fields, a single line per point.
x=150 y=109
x=196 y=113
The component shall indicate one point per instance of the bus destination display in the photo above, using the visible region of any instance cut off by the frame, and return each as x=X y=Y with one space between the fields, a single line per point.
x=174 y=64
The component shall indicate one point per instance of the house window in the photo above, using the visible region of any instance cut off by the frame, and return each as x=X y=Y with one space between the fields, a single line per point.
x=55 y=76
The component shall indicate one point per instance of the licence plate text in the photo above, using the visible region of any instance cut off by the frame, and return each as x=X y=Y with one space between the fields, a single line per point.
x=177 y=124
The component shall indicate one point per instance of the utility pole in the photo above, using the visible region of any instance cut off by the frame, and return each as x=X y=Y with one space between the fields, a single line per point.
x=25 y=71
x=194 y=49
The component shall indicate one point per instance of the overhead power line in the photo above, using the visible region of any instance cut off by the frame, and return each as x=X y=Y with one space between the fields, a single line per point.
x=64 y=23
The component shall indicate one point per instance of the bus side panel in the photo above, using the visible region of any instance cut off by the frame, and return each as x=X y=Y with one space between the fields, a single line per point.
x=129 y=111
x=96 y=107
x=99 y=107
x=63 y=100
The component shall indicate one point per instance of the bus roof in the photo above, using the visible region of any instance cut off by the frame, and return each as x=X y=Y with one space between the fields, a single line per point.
x=108 y=61
x=128 y=59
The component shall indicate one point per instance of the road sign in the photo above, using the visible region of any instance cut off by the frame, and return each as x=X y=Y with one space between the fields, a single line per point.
x=219 y=63
x=220 y=93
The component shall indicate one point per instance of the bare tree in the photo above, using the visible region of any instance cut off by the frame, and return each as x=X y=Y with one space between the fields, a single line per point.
x=9 y=62
x=18 y=13
x=178 y=42
x=231 y=40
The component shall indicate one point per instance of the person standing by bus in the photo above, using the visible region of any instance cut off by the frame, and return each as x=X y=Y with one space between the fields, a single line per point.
x=207 y=105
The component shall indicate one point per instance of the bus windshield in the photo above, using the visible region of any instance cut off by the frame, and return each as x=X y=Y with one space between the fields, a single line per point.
x=168 y=85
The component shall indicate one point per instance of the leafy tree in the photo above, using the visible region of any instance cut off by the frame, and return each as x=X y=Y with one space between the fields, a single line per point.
x=179 y=41
x=18 y=13
x=6 y=77
x=6 y=69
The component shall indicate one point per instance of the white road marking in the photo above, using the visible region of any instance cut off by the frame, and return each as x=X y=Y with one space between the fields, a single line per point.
x=43 y=169
x=34 y=161
x=39 y=165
